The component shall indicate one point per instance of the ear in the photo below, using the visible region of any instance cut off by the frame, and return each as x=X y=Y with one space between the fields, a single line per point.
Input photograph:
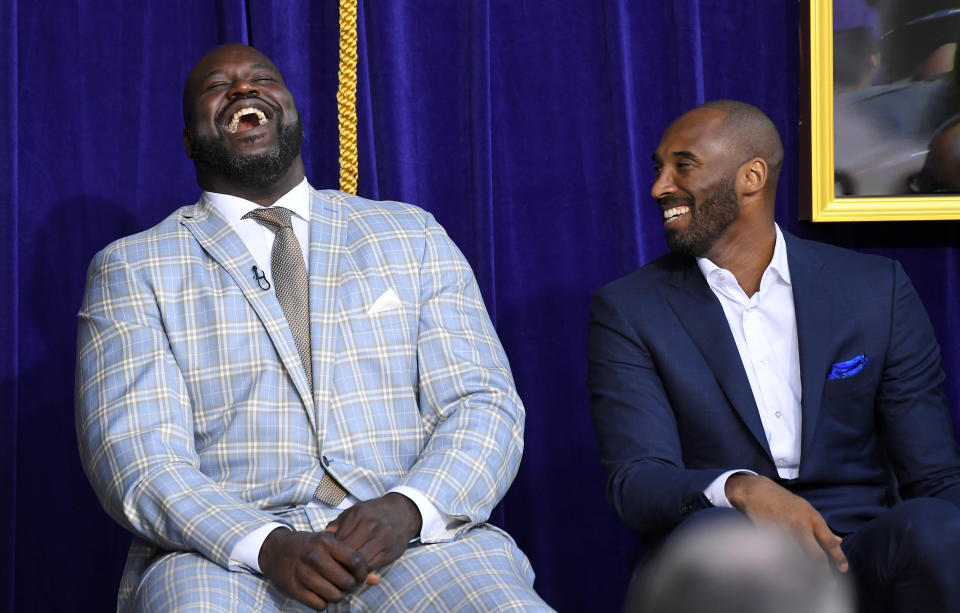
x=753 y=176
x=186 y=143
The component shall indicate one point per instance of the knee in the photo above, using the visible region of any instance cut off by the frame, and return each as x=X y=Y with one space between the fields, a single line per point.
x=189 y=583
x=929 y=529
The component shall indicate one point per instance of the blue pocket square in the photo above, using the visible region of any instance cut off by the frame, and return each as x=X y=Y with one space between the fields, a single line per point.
x=843 y=370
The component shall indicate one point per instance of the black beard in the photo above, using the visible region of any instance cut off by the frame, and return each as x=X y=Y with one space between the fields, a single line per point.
x=258 y=171
x=708 y=221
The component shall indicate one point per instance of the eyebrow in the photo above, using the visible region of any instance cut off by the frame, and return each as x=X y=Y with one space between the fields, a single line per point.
x=689 y=155
x=220 y=70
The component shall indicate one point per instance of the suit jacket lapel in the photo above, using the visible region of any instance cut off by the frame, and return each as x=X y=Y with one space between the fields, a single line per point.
x=327 y=227
x=219 y=240
x=701 y=315
x=814 y=309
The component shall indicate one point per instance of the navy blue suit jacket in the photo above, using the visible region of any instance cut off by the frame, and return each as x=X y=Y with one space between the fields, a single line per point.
x=673 y=409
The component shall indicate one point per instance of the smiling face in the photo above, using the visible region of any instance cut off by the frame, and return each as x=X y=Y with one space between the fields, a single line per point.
x=696 y=169
x=243 y=130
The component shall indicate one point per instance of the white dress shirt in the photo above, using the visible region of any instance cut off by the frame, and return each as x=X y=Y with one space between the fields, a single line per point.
x=764 y=327
x=259 y=241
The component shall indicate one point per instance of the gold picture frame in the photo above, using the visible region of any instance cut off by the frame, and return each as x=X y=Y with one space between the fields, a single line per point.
x=821 y=204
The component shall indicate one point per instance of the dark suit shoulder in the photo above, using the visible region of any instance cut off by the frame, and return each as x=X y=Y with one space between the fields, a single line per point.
x=651 y=275
x=838 y=261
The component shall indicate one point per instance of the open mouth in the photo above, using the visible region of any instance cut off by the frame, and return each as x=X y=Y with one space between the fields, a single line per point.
x=245 y=119
x=671 y=215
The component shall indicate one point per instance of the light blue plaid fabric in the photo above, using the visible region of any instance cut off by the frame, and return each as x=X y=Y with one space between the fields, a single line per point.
x=194 y=417
x=483 y=570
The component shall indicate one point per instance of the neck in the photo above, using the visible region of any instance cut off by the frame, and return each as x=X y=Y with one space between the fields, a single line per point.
x=746 y=255
x=264 y=196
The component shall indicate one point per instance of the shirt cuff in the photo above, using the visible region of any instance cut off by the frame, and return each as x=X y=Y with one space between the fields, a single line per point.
x=436 y=526
x=247 y=551
x=716 y=491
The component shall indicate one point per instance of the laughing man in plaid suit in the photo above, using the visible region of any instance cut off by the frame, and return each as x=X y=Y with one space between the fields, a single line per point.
x=349 y=462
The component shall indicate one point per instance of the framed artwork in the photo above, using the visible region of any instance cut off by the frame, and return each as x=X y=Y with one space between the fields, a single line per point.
x=866 y=129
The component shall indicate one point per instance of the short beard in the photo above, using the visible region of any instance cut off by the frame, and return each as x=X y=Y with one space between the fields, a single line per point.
x=708 y=221
x=258 y=171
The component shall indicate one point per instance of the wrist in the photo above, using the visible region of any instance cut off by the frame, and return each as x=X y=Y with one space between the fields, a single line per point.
x=737 y=488
x=412 y=521
x=269 y=546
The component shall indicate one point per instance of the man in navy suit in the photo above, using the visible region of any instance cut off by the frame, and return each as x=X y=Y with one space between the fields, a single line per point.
x=750 y=372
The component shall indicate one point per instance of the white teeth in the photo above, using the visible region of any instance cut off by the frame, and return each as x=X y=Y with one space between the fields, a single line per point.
x=675 y=212
x=235 y=120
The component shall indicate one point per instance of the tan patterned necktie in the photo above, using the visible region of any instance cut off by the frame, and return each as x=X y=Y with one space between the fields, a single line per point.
x=293 y=293
x=289 y=278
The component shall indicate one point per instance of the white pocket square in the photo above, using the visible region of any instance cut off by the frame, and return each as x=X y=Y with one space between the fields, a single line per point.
x=387 y=300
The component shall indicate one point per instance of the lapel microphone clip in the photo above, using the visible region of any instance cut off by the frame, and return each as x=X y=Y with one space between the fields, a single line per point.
x=261 y=278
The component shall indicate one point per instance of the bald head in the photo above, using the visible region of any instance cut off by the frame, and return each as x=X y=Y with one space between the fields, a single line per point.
x=241 y=125
x=211 y=63
x=749 y=133
x=716 y=174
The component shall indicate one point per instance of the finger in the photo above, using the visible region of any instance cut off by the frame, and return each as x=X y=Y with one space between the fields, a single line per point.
x=373 y=546
x=324 y=560
x=373 y=578
x=363 y=535
x=815 y=550
x=831 y=543
x=380 y=552
x=319 y=587
x=345 y=523
x=380 y=560
x=349 y=560
x=305 y=595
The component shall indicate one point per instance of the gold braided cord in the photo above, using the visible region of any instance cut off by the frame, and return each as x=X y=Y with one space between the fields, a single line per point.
x=347 y=97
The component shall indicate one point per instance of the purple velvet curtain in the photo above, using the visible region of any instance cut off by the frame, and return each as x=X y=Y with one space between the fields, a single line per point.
x=525 y=127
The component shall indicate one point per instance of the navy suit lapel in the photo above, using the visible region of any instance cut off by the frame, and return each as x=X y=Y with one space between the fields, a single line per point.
x=701 y=315
x=222 y=244
x=813 y=304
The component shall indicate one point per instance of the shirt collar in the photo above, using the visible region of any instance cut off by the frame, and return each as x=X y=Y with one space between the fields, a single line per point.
x=234 y=207
x=778 y=263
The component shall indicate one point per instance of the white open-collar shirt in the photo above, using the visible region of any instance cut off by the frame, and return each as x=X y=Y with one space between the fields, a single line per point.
x=764 y=327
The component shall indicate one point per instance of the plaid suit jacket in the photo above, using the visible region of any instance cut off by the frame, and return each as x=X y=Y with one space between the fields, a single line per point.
x=194 y=417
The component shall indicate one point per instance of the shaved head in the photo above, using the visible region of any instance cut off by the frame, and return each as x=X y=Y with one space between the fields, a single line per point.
x=241 y=125
x=208 y=63
x=750 y=133
x=716 y=169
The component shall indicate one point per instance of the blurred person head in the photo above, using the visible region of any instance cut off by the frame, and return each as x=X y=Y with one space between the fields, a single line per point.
x=855 y=44
x=735 y=567
x=941 y=169
x=854 y=58
x=919 y=37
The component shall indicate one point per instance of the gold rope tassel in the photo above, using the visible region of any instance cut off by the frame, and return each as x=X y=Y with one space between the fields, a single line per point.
x=347 y=96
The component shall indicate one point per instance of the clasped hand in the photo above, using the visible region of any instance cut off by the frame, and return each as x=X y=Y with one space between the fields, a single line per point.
x=318 y=568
